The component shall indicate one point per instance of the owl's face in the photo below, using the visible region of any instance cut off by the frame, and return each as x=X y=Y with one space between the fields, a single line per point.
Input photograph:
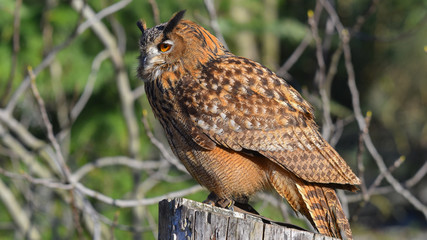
x=159 y=47
x=169 y=46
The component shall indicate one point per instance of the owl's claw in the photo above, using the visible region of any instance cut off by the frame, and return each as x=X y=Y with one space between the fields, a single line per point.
x=232 y=205
x=226 y=203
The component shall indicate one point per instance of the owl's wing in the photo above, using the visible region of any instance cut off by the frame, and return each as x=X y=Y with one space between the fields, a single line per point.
x=241 y=105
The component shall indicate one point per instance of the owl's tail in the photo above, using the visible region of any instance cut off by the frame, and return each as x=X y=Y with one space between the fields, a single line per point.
x=318 y=203
x=325 y=210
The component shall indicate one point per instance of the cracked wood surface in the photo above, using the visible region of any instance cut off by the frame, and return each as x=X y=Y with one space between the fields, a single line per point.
x=181 y=218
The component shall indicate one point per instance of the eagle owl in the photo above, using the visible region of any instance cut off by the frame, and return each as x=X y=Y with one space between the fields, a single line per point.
x=237 y=127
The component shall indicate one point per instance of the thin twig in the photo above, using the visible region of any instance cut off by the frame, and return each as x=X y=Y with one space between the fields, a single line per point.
x=50 y=183
x=47 y=60
x=296 y=54
x=87 y=92
x=20 y=131
x=138 y=92
x=135 y=203
x=155 y=9
x=327 y=127
x=114 y=224
x=119 y=33
x=214 y=21
x=360 y=151
x=160 y=145
x=381 y=176
x=102 y=14
x=52 y=54
x=17 y=213
x=122 y=78
x=345 y=38
x=362 y=19
x=333 y=66
x=15 y=49
x=114 y=161
x=59 y=159
x=76 y=218
x=418 y=176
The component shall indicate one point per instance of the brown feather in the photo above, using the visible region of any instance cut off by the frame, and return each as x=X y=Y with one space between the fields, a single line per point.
x=238 y=128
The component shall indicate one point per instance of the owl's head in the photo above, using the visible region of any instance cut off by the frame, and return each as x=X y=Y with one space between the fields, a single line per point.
x=175 y=45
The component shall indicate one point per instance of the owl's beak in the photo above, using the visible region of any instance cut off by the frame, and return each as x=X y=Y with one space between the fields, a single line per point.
x=143 y=60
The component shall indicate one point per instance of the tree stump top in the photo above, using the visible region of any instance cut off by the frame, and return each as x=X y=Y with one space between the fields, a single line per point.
x=181 y=218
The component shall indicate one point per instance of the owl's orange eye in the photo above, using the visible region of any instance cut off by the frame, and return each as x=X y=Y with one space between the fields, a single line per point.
x=164 y=47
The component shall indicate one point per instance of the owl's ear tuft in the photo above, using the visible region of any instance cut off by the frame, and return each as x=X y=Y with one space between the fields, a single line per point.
x=141 y=25
x=173 y=22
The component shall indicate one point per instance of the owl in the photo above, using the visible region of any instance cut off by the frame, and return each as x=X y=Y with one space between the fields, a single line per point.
x=237 y=127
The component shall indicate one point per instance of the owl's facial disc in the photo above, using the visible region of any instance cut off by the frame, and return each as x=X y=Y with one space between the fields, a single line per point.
x=154 y=58
x=156 y=54
x=157 y=46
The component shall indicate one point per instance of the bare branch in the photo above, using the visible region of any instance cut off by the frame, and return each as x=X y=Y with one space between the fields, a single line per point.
x=301 y=47
x=214 y=21
x=362 y=19
x=102 y=14
x=87 y=92
x=135 y=203
x=422 y=172
x=39 y=181
x=160 y=145
x=138 y=92
x=122 y=79
x=59 y=159
x=23 y=154
x=45 y=63
x=345 y=38
x=17 y=213
x=296 y=54
x=20 y=131
x=327 y=127
x=16 y=47
x=359 y=157
x=155 y=9
x=118 y=160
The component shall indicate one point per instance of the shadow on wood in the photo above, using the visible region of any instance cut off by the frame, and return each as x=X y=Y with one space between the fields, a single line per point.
x=181 y=218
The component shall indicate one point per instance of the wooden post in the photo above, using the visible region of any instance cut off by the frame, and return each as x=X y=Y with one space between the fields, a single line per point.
x=181 y=218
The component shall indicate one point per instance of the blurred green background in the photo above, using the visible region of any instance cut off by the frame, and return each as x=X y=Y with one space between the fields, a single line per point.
x=389 y=55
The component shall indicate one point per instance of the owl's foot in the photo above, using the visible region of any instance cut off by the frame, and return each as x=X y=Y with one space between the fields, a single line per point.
x=214 y=200
x=232 y=205
x=240 y=207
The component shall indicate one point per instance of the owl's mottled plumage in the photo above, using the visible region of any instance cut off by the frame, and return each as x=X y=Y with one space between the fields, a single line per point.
x=237 y=127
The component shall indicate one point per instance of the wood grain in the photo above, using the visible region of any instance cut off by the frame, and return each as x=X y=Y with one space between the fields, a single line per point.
x=181 y=218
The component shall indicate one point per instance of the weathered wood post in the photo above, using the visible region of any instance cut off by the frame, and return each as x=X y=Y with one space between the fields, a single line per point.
x=181 y=218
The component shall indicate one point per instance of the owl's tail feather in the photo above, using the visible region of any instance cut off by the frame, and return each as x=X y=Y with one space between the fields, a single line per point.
x=325 y=210
x=318 y=203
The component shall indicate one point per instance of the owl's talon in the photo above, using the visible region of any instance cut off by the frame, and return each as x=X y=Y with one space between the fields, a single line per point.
x=225 y=203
